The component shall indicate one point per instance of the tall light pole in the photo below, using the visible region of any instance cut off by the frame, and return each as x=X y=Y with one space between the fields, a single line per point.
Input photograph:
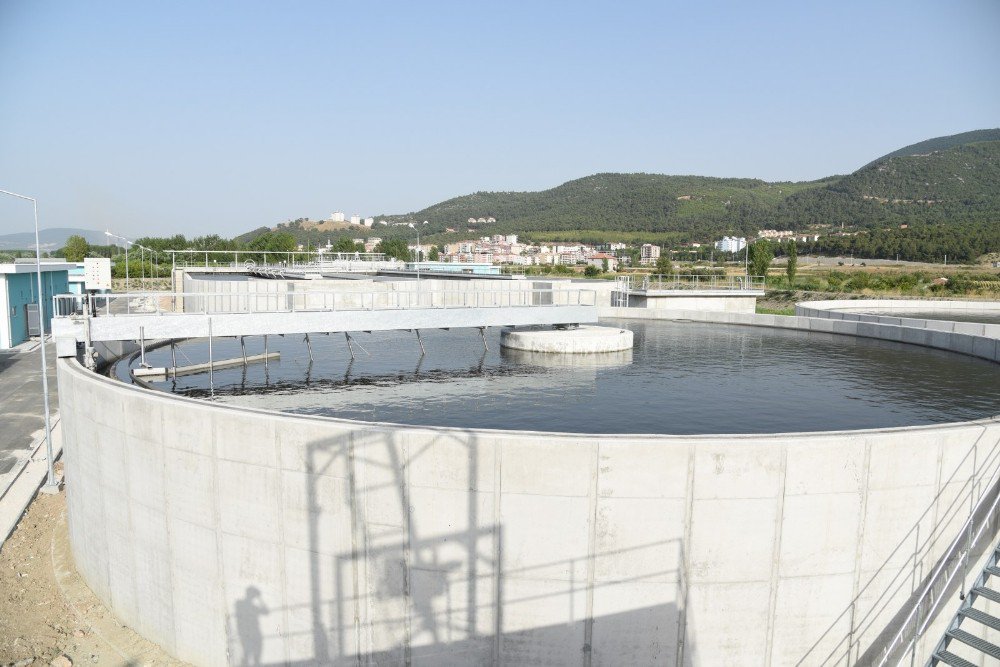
x=413 y=226
x=50 y=482
x=127 y=244
x=144 y=249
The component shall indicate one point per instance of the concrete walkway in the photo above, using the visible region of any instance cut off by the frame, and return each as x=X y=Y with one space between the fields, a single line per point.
x=23 y=463
x=21 y=412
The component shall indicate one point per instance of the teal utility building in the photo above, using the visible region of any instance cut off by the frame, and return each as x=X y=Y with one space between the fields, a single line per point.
x=19 y=297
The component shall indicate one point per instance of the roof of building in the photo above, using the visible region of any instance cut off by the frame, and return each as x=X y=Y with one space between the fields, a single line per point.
x=26 y=265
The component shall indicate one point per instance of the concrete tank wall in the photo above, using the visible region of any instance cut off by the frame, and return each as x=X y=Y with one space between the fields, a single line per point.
x=845 y=310
x=217 y=531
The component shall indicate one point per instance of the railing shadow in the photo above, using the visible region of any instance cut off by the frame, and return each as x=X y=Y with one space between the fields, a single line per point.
x=401 y=566
x=907 y=566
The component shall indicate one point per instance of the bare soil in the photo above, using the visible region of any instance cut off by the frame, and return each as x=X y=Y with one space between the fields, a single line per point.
x=47 y=612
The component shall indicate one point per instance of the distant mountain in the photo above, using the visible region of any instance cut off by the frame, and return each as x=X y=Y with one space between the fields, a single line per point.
x=954 y=186
x=936 y=197
x=942 y=143
x=684 y=205
x=50 y=239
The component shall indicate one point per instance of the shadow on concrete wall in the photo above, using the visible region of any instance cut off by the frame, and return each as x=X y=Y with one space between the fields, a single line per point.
x=247 y=612
x=877 y=613
x=400 y=592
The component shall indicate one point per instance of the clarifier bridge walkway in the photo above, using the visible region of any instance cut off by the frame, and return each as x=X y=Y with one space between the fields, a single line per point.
x=168 y=315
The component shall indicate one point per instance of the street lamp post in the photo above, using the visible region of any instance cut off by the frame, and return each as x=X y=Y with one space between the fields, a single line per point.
x=143 y=250
x=127 y=244
x=413 y=226
x=50 y=482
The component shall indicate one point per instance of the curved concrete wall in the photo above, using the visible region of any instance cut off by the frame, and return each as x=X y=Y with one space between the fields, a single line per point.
x=943 y=338
x=220 y=532
x=845 y=309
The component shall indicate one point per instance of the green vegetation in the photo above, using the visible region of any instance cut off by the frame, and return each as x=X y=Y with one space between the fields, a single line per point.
x=76 y=248
x=944 y=143
x=273 y=242
x=761 y=256
x=935 y=198
x=761 y=310
x=397 y=248
x=899 y=283
x=792 y=263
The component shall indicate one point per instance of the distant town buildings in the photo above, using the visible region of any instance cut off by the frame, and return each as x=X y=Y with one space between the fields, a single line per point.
x=774 y=234
x=731 y=244
x=355 y=219
x=648 y=254
x=337 y=216
x=603 y=261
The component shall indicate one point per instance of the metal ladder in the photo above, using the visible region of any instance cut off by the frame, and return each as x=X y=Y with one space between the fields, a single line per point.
x=957 y=632
x=623 y=285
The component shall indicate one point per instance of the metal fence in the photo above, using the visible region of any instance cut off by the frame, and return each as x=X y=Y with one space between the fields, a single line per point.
x=697 y=282
x=242 y=258
x=166 y=303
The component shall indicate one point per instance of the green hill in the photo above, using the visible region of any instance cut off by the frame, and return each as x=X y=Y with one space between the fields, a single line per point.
x=681 y=207
x=943 y=143
x=959 y=184
x=937 y=197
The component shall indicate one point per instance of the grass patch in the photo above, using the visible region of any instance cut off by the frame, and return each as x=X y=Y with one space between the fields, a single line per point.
x=775 y=311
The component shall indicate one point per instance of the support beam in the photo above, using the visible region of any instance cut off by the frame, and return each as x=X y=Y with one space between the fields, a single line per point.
x=211 y=373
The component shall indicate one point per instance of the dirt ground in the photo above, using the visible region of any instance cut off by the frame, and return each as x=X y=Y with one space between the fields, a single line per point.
x=47 y=612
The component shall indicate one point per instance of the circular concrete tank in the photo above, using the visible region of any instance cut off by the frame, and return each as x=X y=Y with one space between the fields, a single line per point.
x=228 y=534
x=587 y=339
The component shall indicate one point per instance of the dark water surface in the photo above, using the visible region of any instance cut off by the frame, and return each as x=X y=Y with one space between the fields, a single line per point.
x=681 y=378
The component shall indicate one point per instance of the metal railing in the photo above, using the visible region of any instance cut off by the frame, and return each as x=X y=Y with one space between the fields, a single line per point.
x=975 y=495
x=168 y=303
x=697 y=282
x=267 y=264
x=940 y=582
x=210 y=258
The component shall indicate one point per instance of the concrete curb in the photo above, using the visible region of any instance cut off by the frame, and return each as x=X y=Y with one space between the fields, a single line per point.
x=14 y=500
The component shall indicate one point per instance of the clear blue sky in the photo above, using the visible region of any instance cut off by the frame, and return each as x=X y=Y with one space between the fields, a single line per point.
x=201 y=117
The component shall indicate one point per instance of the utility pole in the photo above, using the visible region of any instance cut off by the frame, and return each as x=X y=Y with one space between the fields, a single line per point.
x=50 y=483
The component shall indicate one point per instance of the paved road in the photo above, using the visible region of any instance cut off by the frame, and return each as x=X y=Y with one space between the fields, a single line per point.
x=21 y=411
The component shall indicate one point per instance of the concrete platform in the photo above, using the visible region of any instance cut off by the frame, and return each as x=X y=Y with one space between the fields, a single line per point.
x=582 y=340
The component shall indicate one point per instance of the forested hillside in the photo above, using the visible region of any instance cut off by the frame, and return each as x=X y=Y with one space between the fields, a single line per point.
x=944 y=143
x=937 y=197
x=683 y=206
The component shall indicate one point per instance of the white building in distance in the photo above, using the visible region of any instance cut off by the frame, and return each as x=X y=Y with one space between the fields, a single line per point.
x=731 y=244
x=337 y=216
x=648 y=254
x=355 y=219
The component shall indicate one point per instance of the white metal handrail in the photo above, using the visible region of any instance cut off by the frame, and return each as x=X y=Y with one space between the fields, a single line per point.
x=966 y=494
x=697 y=281
x=169 y=303
x=963 y=558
